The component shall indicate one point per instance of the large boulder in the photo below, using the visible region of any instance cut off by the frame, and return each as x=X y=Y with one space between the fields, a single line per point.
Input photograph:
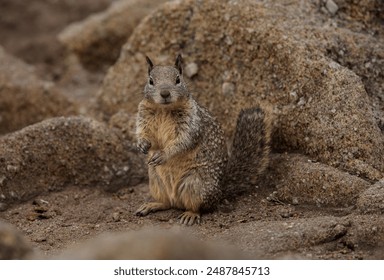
x=97 y=40
x=13 y=245
x=151 y=244
x=66 y=151
x=372 y=200
x=247 y=54
x=299 y=180
x=24 y=98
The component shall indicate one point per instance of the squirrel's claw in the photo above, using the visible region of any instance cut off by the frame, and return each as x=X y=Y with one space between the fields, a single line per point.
x=143 y=145
x=189 y=218
x=157 y=158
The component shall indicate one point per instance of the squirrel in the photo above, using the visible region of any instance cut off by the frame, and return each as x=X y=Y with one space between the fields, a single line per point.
x=188 y=163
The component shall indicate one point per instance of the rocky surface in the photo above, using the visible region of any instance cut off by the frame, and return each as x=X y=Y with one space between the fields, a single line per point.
x=312 y=183
x=372 y=199
x=24 y=98
x=315 y=66
x=97 y=40
x=319 y=107
x=13 y=245
x=66 y=151
x=149 y=244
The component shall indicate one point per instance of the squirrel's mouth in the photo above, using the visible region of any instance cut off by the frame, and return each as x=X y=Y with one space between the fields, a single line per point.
x=165 y=101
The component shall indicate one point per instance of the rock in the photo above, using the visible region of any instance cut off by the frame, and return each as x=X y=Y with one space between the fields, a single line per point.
x=276 y=236
x=191 y=69
x=228 y=89
x=67 y=151
x=371 y=201
x=3 y=206
x=24 y=99
x=97 y=40
x=266 y=61
x=13 y=246
x=116 y=217
x=366 y=231
x=125 y=123
x=331 y=7
x=299 y=181
x=150 y=244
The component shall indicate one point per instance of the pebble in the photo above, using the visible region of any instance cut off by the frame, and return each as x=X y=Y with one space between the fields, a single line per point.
x=3 y=206
x=228 y=89
x=40 y=202
x=2 y=179
x=116 y=217
x=295 y=201
x=286 y=214
x=301 y=101
x=40 y=239
x=293 y=95
x=331 y=7
x=12 y=168
x=191 y=69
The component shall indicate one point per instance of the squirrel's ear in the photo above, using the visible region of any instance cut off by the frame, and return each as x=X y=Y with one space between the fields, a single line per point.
x=179 y=64
x=150 y=64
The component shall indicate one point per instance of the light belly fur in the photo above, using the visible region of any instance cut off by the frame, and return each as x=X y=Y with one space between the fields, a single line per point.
x=166 y=179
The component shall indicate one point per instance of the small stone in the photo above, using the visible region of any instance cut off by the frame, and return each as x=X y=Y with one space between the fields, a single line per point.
x=116 y=217
x=40 y=239
x=334 y=65
x=293 y=95
x=12 y=168
x=191 y=69
x=301 y=101
x=228 y=89
x=2 y=179
x=295 y=201
x=40 y=202
x=3 y=206
x=286 y=215
x=324 y=10
x=331 y=7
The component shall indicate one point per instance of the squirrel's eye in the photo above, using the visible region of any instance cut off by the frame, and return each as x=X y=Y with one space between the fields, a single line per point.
x=150 y=81
x=177 y=80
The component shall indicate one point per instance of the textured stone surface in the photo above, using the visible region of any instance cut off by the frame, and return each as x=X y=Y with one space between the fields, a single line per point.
x=151 y=244
x=320 y=107
x=299 y=180
x=97 y=39
x=66 y=151
x=372 y=200
x=24 y=99
x=13 y=245
x=274 y=237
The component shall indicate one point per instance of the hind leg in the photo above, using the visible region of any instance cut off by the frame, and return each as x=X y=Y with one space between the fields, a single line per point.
x=191 y=197
x=158 y=192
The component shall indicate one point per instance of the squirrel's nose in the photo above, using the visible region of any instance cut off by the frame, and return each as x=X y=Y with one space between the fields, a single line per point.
x=165 y=93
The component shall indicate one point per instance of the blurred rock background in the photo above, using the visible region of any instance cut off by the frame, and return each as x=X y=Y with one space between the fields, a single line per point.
x=71 y=76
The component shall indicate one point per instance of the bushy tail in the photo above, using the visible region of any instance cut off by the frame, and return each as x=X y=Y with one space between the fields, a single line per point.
x=249 y=155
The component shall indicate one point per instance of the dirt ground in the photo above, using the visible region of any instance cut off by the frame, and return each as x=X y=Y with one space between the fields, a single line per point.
x=56 y=220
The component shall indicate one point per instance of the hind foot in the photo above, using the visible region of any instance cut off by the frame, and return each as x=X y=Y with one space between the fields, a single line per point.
x=150 y=207
x=188 y=218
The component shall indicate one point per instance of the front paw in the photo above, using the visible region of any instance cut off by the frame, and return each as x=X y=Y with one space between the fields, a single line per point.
x=143 y=145
x=157 y=158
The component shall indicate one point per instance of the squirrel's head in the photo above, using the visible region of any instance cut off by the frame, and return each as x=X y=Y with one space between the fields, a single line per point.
x=165 y=84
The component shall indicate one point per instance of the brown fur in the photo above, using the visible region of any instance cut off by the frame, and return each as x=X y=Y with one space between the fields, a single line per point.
x=187 y=154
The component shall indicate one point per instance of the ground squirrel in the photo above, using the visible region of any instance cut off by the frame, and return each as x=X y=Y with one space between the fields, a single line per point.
x=188 y=163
